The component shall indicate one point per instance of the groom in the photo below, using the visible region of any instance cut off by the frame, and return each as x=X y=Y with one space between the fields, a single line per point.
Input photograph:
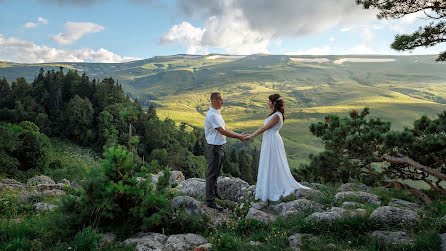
x=216 y=133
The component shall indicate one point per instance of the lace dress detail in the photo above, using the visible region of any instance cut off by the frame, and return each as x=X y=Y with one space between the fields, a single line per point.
x=274 y=178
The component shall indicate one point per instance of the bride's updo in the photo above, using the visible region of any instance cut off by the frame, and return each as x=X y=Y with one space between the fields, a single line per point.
x=278 y=104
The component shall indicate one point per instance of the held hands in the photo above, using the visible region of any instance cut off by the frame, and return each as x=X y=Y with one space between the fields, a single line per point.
x=244 y=137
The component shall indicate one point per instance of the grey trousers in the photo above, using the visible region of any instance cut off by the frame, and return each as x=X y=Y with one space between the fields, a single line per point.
x=215 y=155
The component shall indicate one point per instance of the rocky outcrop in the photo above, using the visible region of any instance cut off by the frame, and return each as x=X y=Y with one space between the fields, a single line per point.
x=299 y=206
x=353 y=187
x=260 y=216
x=40 y=180
x=403 y=203
x=295 y=242
x=335 y=213
x=309 y=194
x=41 y=206
x=351 y=205
x=361 y=196
x=394 y=215
x=194 y=187
x=189 y=204
x=233 y=189
x=161 y=242
x=392 y=238
x=11 y=184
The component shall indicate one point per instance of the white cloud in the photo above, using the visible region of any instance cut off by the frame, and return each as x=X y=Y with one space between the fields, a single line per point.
x=331 y=39
x=246 y=27
x=75 y=31
x=40 y=20
x=22 y=51
x=366 y=46
x=188 y=35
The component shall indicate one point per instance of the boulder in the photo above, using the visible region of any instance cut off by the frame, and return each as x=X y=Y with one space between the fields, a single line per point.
x=181 y=242
x=394 y=215
x=260 y=216
x=309 y=194
x=194 y=187
x=147 y=241
x=190 y=205
x=443 y=242
x=403 y=203
x=335 y=213
x=362 y=196
x=312 y=185
x=42 y=206
x=40 y=179
x=233 y=189
x=353 y=187
x=54 y=192
x=11 y=184
x=175 y=177
x=203 y=247
x=391 y=238
x=107 y=238
x=351 y=205
x=295 y=242
x=44 y=187
x=299 y=206
x=64 y=182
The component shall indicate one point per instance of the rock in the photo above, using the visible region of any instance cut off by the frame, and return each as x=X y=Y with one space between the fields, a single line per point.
x=179 y=242
x=45 y=187
x=203 y=247
x=147 y=241
x=64 y=182
x=42 y=206
x=252 y=190
x=394 y=215
x=312 y=185
x=391 y=238
x=38 y=180
x=234 y=189
x=309 y=194
x=299 y=206
x=15 y=221
x=54 y=192
x=107 y=238
x=330 y=246
x=255 y=243
x=260 y=205
x=216 y=217
x=353 y=187
x=75 y=185
x=334 y=214
x=350 y=205
x=443 y=220
x=260 y=216
x=11 y=184
x=443 y=242
x=176 y=177
x=295 y=242
x=403 y=203
x=194 y=187
x=190 y=205
x=362 y=196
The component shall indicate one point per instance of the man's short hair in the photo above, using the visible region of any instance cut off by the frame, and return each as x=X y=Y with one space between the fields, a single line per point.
x=215 y=95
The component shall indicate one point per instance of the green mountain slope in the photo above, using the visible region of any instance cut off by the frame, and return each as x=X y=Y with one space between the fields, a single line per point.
x=396 y=88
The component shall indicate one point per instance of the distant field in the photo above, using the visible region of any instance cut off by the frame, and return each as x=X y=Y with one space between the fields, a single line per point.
x=395 y=88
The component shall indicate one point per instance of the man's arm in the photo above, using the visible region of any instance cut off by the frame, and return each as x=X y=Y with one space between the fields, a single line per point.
x=231 y=134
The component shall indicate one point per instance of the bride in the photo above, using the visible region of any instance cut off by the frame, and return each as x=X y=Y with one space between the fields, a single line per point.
x=274 y=177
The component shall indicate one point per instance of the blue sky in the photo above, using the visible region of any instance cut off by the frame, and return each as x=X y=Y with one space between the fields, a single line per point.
x=118 y=31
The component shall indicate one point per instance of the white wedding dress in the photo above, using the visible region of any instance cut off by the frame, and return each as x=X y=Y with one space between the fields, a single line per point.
x=274 y=177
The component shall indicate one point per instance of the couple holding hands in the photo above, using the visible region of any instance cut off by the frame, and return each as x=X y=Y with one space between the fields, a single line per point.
x=274 y=177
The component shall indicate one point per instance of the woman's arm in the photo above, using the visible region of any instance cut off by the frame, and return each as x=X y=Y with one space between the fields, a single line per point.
x=272 y=122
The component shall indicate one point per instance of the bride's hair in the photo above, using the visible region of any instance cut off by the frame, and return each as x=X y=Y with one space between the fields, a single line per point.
x=278 y=104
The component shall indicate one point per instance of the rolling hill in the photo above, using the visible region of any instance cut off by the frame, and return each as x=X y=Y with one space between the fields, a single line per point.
x=396 y=88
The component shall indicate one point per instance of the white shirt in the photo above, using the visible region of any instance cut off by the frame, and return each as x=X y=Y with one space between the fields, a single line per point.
x=212 y=121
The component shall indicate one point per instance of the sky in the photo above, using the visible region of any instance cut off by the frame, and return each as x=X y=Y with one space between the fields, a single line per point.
x=113 y=31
